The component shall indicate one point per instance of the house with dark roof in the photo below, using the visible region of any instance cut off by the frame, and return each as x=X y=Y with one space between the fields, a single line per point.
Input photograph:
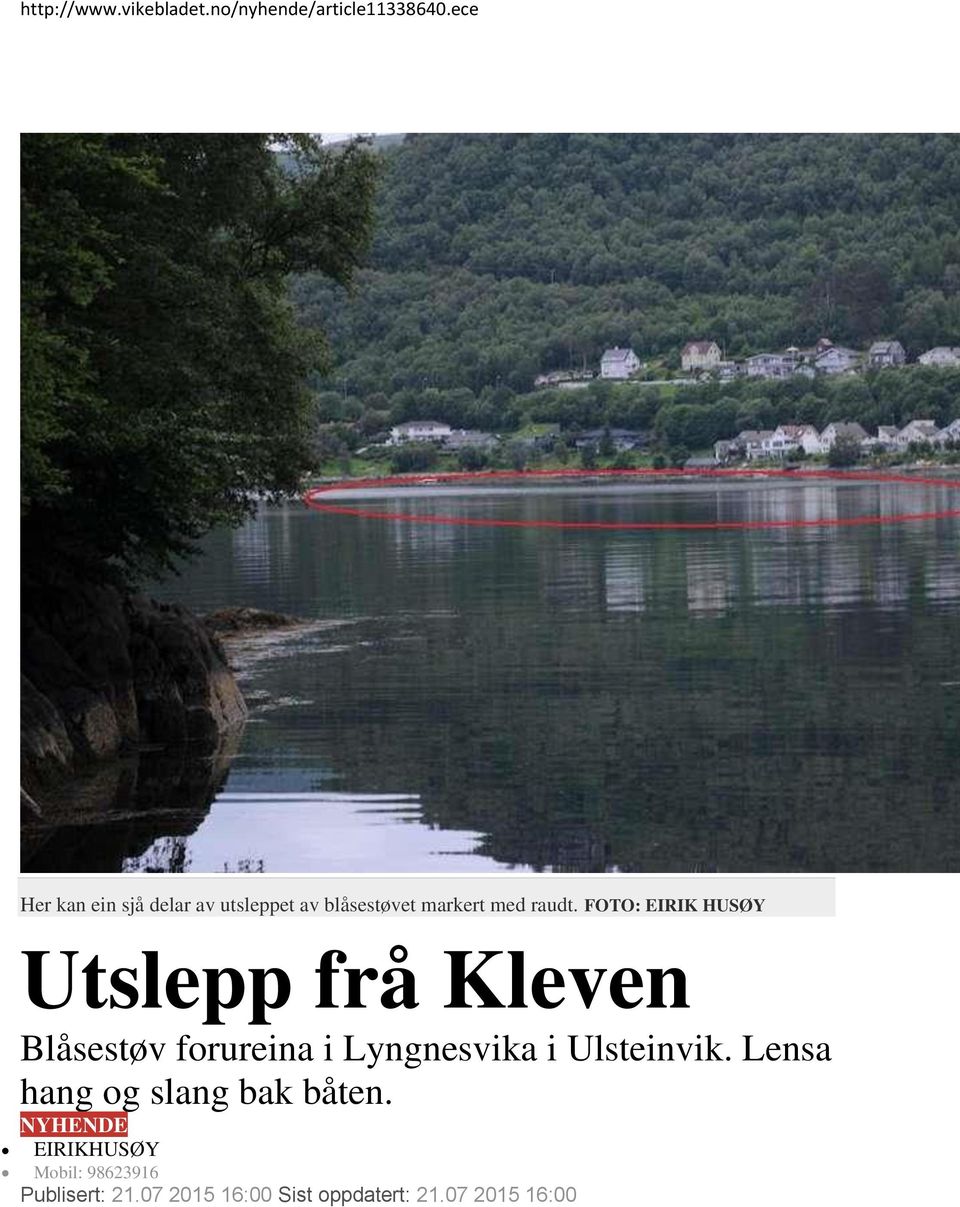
x=833 y=432
x=886 y=354
x=758 y=444
x=917 y=431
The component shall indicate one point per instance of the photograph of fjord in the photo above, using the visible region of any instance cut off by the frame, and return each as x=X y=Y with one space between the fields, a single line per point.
x=555 y=503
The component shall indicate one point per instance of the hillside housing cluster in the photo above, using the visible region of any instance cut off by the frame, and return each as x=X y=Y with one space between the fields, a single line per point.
x=792 y=439
x=784 y=442
x=704 y=358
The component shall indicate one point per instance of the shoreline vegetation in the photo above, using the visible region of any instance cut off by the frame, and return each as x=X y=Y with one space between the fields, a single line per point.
x=131 y=710
x=610 y=465
x=163 y=388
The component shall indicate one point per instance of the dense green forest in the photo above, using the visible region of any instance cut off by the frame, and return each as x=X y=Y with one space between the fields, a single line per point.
x=698 y=415
x=497 y=257
x=163 y=373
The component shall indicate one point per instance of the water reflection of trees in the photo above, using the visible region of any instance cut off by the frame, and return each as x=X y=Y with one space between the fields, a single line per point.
x=732 y=701
x=652 y=749
x=130 y=815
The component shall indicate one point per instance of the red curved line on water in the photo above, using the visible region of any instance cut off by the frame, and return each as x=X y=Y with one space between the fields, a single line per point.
x=311 y=499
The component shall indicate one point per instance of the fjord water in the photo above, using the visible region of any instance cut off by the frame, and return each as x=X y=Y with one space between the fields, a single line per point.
x=477 y=698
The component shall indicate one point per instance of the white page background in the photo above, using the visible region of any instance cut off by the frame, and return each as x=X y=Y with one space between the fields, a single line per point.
x=878 y=982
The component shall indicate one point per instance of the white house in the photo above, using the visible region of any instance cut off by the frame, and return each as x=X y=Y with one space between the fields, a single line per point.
x=917 y=431
x=887 y=435
x=758 y=445
x=769 y=364
x=837 y=360
x=950 y=434
x=788 y=438
x=619 y=363
x=778 y=444
x=943 y=358
x=833 y=432
x=700 y=354
x=801 y=435
x=886 y=354
x=419 y=429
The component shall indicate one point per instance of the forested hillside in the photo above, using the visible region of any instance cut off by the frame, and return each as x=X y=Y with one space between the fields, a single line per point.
x=501 y=256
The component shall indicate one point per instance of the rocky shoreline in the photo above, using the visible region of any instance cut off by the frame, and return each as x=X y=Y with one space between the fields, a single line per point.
x=130 y=716
x=104 y=674
x=245 y=622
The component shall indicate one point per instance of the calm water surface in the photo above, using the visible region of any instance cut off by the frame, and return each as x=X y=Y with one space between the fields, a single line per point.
x=485 y=699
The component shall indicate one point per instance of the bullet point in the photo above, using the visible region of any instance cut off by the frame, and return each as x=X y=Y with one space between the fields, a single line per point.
x=4 y=1151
